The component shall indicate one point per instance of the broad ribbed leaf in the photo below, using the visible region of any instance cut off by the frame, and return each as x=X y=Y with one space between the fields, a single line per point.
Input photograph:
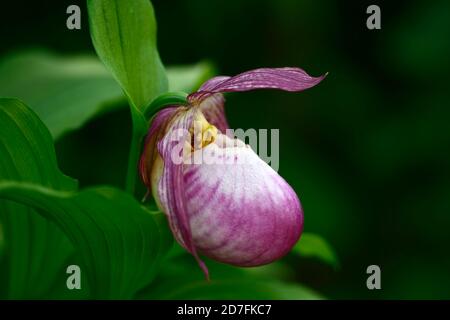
x=124 y=36
x=119 y=241
x=31 y=243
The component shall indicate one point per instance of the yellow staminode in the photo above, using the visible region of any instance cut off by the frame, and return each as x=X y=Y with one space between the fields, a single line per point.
x=202 y=132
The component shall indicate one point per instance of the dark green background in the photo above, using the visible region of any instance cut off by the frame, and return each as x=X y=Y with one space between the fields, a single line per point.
x=366 y=150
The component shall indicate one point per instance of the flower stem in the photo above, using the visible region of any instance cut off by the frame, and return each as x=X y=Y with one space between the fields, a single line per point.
x=139 y=130
x=140 y=127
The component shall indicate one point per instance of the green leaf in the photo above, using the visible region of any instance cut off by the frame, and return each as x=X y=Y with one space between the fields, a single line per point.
x=2 y=244
x=124 y=36
x=2 y=239
x=314 y=246
x=31 y=244
x=182 y=279
x=188 y=78
x=65 y=92
x=120 y=242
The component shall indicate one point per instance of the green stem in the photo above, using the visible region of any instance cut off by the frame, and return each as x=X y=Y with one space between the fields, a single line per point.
x=139 y=130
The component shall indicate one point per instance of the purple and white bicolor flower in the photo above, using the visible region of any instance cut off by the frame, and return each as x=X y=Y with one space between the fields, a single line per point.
x=238 y=211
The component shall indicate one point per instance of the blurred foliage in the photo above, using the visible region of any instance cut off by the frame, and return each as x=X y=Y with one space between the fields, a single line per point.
x=366 y=150
x=178 y=281
x=313 y=246
x=64 y=92
x=67 y=92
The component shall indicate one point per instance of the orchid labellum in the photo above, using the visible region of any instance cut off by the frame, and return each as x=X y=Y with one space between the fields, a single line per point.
x=230 y=206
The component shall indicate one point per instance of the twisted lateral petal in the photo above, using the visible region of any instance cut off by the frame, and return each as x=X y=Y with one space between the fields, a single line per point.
x=170 y=187
x=287 y=79
x=240 y=210
x=163 y=176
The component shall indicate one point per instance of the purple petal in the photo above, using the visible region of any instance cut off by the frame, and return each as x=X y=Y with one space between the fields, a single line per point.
x=171 y=189
x=147 y=158
x=213 y=108
x=240 y=210
x=287 y=79
x=211 y=83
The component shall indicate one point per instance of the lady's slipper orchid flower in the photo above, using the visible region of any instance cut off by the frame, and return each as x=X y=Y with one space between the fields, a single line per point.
x=231 y=206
